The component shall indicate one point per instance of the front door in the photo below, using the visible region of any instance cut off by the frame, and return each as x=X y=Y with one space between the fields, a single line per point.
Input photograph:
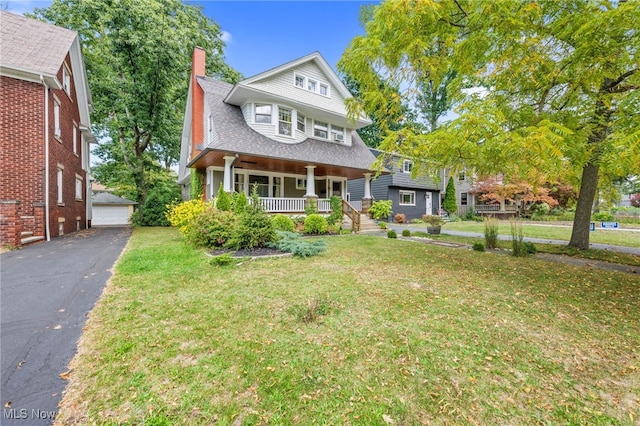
x=427 y=199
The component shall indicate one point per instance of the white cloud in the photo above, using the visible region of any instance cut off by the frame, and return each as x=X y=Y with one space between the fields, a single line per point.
x=226 y=37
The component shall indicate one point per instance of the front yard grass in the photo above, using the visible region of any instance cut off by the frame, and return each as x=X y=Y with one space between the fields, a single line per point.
x=398 y=333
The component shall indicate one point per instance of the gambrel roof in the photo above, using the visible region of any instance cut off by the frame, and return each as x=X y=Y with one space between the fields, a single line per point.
x=234 y=135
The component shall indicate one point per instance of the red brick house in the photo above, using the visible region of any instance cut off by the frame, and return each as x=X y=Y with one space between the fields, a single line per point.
x=45 y=132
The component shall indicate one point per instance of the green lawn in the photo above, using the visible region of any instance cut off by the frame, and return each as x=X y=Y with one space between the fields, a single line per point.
x=621 y=237
x=406 y=333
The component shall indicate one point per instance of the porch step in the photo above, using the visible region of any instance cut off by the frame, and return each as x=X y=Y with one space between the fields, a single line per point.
x=367 y=225
x=25 y=234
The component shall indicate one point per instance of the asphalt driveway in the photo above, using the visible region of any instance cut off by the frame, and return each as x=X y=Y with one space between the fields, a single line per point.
x=46 y=292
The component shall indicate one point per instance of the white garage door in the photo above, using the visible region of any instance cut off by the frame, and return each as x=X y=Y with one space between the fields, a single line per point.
x=110 y=215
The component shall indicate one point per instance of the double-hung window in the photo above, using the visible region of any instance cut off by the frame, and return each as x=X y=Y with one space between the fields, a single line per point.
x=321 y=130
x=59 y=184
x=75 y=138
x=324 y=89
x=56 y=119
x=299 y=81
x=407 y=198
x=311 y=85
x=284 y=121
x=66 y=80
x=407 y=166
x=263 y=113
x=464 y=198
x=337 y=133
x=78 y=188
x=301 y=123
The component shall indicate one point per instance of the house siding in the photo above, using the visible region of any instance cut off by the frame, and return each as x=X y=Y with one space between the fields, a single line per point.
x=282 y=84
x=22 y=142
x=417 y=211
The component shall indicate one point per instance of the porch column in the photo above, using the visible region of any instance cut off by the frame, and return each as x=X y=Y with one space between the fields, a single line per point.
x=228 y=162
x=366 y=200
x=311 y=182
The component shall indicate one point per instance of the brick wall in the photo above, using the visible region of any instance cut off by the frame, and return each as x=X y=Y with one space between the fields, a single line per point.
x=22 y=153
x=10 y=224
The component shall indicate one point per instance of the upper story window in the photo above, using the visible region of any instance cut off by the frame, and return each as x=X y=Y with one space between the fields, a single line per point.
x=66 y=79
x=321 y=129
x=407 y=166
x=337 y=133
x=56 y=118
x=310 y=84
x=78 y=188
x=263 y=113
x=302 y=125
x=75 y=138
x=461 y=175
x=284 y=121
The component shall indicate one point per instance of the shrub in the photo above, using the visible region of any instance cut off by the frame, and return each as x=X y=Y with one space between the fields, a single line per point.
x=406 y=233
x=239 y=203
x=315 y=224
x=181 y=215
x=392 y=234
x=450 y=205
x=400 y=218
x=416 y=221
x=223 y=201
x=155 y=207
x=383 y=225
x=454 y=218
x=311 y=208
x=380 y=209
x=336 y=210
x=603 y=217
x=433 y=220
x=196 y=187
x=491 y=232
x=212 y=228
x=225 y=260
x=470 y=215
x=292 y=243
x=530 y=247
x=283 y=223
x=256 y=228
x=478 y=246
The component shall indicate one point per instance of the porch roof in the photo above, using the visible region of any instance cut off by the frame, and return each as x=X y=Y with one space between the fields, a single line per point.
x=257 y=152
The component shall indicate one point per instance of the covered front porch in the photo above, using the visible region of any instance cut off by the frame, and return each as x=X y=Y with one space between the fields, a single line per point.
x=284 y=186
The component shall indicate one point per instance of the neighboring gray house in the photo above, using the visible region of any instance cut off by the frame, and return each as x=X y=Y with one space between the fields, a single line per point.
x=411 y=197
x=285 y=130
x=463 y=182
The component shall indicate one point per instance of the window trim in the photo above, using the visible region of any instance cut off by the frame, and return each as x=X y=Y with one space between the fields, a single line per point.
x=59 y=182
x=462 y=176
x=57 y=132
x=66 y=79
x=327 y=126
x=79 y=191
x=331 y=134
x=317 y=84
x=464 y=198
x=298 y=123
x=75 y=139
x=255 y=113
x=290 y=122
x=412 y=194
x=301 y=183
x=407 y=166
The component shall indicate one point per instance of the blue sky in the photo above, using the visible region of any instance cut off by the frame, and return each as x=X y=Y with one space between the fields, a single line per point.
x=264 y=34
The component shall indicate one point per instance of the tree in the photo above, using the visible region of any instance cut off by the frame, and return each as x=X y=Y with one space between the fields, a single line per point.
x=493 y=190
x=450 y=204
x=138 y=57
x=544 y=89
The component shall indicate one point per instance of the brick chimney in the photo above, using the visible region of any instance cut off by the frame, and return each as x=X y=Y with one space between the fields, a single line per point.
x=197 y=101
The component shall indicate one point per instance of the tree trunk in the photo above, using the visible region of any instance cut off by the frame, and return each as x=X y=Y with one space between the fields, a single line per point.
x=588 y=190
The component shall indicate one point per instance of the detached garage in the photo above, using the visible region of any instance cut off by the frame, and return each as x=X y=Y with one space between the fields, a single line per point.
x=109 y=209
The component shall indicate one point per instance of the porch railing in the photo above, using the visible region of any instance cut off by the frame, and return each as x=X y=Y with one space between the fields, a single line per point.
x=292 y=205
x=353 y=214
x=480 y=208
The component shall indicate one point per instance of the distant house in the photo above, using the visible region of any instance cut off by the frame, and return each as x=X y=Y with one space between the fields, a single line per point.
x=285 y=131
x=45 y=132
x=465 y=198
x=413 y=197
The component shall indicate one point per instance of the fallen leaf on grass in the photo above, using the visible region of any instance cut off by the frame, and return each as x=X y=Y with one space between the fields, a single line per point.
x=65 y=375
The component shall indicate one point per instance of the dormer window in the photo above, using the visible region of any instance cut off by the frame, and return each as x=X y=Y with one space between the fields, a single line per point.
x=311 y=85
x=299 y=81
x=337 y=133
x=324 y=89
x=407 y=166
x=284 y=121
x=263 y=113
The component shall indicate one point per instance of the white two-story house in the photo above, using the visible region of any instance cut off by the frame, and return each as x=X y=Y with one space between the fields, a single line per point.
x=285 y=130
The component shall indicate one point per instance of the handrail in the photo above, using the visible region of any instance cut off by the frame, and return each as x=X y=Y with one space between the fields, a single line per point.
x=353 y=214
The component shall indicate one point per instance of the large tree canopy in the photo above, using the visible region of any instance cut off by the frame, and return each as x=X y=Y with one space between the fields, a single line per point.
x=138 y=59
x=544 y=89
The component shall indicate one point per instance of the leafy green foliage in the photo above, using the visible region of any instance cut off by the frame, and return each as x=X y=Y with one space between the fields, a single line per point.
x=315 y=224
x=450 y=204
x=223 y=200
x=313 y=310
x=225 y=259
x=256 y=228
x=283 y=223
x=311 y=208
x=239 y=202
x=603 y=217
x=196 y=184
x=518 y=248
x=159 y=198
x=478 y=246
x=181 y=215
x=541 y=90
x=392 y=234
x=336 y=210
x=213 y=228
x=380 y=209
x=292 y=243
x=406 y=233
x=137 y=55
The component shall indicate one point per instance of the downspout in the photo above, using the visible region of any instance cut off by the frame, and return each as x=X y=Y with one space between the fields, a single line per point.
x=46 y=160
